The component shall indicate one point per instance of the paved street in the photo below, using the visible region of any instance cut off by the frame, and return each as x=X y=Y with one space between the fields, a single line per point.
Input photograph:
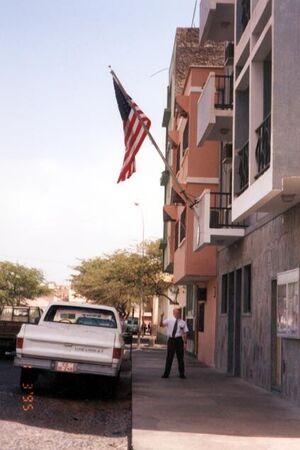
x=70 y=412
x=208 y=410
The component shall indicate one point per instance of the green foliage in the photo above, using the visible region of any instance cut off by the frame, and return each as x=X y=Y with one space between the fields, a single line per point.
x=122 y=278
x=18 y=282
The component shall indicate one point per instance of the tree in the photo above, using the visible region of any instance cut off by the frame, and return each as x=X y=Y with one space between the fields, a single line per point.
x=122 y=278
x=18 y=282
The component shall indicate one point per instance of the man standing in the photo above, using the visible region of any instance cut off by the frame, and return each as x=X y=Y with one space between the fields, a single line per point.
x=176 y=331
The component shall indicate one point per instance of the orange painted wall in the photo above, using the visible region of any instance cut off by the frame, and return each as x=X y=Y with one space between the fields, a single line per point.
x=197 y=162
x=189 y=264
x=206 y=340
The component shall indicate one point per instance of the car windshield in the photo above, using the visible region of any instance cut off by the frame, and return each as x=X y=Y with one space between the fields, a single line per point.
x=81 y=316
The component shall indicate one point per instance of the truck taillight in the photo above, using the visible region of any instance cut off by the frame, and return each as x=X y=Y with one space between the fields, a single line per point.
x=19 y=343
x=117 y=353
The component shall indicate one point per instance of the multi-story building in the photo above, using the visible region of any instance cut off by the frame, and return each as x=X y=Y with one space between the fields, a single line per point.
x=195 y=171
x=258 y=309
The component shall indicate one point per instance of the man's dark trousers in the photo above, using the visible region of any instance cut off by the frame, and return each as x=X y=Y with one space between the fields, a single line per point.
x=175 y=345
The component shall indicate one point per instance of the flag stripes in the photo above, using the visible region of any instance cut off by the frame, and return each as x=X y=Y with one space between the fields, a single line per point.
x=135 y=125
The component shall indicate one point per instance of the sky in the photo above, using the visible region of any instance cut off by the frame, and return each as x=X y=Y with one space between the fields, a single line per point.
x=61 y=137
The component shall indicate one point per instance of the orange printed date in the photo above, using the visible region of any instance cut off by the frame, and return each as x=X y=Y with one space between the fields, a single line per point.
x=28 y=398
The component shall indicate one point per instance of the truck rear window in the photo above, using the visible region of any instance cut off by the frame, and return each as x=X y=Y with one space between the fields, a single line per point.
x=81 y=316
x=21 y=314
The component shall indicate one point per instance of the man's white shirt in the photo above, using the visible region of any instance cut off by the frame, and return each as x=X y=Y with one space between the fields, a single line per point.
x=181 y=327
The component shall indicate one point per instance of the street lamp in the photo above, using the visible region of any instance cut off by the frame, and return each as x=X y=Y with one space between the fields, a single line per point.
x=141 y=303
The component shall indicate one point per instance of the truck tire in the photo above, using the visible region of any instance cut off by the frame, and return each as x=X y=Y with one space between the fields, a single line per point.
x=28 y=377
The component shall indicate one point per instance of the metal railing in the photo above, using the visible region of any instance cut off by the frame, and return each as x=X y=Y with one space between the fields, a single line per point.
x=220 y=211
x=263 y=147
x=243 y=167
x=224 y=92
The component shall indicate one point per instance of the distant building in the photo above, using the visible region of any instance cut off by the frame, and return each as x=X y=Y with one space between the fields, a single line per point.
x=61 y=292
x=193 y=272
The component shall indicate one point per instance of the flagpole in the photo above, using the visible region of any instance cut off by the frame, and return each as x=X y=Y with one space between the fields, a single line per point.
x=181 y=192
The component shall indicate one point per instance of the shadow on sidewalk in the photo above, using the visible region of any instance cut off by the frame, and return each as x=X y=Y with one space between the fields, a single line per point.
x=207 y=402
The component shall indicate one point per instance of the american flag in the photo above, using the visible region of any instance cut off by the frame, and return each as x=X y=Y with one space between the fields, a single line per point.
x=134 y=131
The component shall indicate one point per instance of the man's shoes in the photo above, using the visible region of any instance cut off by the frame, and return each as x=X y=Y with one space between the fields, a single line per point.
x=165 y=376
x=183 y=377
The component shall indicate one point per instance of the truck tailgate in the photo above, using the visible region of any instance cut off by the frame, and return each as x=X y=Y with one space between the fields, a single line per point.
x=69 y=342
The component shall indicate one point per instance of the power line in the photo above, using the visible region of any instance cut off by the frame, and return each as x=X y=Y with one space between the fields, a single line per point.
x=161 y=70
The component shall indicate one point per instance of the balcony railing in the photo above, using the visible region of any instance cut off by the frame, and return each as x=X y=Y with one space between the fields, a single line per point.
x=263 y=147
x=220 y=211
x=224 y=92
x=246 y=13
x=243 y=170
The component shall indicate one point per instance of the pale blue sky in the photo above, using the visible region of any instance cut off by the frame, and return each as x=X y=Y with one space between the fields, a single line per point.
x=61 y=135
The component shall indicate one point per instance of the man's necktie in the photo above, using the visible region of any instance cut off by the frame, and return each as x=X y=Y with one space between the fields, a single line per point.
x=175 y=328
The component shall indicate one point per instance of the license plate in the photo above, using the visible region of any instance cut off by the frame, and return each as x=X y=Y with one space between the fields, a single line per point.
x=65 y=366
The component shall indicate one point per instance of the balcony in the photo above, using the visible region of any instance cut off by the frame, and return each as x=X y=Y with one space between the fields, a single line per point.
x=263 y=147
x=216 y=20
x=213 y=224
x=242 y=161
x=214 y=121
x=259 y=185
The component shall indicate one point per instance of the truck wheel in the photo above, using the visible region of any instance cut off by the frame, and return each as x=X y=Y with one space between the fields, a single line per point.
x=28 y=378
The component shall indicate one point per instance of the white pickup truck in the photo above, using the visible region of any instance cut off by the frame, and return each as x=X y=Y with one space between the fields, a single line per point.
x=71 y=337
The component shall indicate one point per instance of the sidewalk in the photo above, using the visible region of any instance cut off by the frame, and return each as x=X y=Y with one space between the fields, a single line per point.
x=207 y=411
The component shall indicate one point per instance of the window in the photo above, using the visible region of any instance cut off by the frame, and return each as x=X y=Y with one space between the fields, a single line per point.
x=247 y=289
x=288 y=317
x=177 y=159
x=180 y=229
x=176 y=235
x=74 y=315
x=224 y=298
x=185 y=138
x=182 y=226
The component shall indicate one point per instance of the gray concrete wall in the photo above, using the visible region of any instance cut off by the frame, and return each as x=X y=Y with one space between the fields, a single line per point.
x=286 y=89
x=271 y=248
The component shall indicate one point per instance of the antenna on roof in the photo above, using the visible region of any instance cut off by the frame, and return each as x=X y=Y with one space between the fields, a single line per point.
x=194 y=13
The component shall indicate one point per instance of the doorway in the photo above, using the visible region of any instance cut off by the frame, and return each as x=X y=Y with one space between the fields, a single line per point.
x=276 y=343
x=237 y=316
x=234 y=322
x=230 y=346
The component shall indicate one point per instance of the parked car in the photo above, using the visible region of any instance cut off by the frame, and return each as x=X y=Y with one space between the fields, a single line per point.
x=132 y=325
x=11 y=320
x=74 y=338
